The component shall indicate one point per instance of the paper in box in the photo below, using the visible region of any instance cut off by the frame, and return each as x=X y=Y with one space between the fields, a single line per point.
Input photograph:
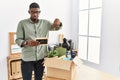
x=58 y=68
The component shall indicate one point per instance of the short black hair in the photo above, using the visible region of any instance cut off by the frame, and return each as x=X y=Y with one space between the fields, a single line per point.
x=34 y=5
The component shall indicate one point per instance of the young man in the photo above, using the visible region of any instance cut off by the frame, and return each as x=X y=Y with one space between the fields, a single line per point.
x=32 y=52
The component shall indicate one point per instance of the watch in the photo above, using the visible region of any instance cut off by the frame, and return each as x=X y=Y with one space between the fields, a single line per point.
x=24 y=42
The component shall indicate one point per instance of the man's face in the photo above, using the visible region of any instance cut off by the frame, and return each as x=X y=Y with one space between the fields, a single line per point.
x=34 y=13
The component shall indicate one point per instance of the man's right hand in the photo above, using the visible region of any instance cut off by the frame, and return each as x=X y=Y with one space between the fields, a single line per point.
x=32 y=43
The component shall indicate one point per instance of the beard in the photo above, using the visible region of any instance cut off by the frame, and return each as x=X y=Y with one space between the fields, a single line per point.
x=34 y=18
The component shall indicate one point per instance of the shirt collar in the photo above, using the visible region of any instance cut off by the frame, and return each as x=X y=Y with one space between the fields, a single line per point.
x=31 y=20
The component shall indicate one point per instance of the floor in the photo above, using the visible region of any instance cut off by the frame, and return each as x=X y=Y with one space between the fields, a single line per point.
x=87 y=73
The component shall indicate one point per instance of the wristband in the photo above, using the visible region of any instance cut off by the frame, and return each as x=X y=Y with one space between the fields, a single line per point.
x=25 y=43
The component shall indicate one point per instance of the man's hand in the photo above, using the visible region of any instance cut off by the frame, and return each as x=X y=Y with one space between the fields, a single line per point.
x=32 y=43
x=56 y=23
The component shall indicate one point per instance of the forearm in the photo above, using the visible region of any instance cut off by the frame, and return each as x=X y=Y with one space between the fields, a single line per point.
x=19 y=42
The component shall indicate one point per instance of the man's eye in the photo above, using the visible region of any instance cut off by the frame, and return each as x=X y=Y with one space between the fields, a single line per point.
x=35 y=12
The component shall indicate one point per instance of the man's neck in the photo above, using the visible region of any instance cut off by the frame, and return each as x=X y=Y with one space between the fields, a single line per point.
x=34 y=20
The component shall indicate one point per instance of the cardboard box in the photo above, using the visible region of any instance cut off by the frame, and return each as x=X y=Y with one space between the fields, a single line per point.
x=58 y=68
x=51 y=78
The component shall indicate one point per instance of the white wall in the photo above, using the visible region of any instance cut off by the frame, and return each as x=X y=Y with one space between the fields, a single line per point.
x=12 y=11
x=110 y=47
x=110 y=41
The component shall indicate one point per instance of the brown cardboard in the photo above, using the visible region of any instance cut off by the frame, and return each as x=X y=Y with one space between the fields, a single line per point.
x=52 y=78
x=58 y=68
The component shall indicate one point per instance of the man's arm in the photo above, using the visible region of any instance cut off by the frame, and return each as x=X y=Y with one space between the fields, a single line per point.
x=20 y=35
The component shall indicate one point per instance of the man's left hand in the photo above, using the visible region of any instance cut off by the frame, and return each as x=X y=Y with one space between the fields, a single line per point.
x=56 y=23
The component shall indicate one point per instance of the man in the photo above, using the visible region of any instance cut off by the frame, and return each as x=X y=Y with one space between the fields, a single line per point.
x=33 y=52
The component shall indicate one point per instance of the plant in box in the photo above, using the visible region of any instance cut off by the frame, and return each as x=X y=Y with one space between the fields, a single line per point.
x=59 y=51
x=53 y=53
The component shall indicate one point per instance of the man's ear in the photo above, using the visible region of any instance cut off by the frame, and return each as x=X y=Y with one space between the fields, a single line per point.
x=29 y=11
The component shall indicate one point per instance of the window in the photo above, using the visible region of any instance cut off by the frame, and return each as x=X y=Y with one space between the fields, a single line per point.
x=90 y=29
